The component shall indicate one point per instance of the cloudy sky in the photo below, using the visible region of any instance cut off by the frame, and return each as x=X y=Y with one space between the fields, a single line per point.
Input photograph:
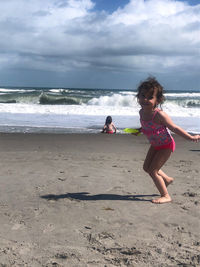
x=100 y=43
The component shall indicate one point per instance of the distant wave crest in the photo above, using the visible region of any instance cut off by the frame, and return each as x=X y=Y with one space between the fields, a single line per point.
x=46 y=99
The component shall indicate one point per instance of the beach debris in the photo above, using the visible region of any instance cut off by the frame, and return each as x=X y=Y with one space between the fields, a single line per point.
x=190 y=194
x=61 y=179
x=107 y=208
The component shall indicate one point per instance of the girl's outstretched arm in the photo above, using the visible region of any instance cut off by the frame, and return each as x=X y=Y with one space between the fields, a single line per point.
x=167 y=121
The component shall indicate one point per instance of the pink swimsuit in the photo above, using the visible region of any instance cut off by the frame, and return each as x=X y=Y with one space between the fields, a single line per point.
x=109 y=132
x=158 y=135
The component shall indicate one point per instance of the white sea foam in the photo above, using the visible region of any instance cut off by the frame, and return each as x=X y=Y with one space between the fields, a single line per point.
x=183 y=95
x=175 y=110
x=66 y=110
x=5 y=90
x=116 y=100
x=58 y=90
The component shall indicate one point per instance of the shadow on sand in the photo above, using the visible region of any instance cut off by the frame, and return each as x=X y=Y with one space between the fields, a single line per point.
x=85 y=196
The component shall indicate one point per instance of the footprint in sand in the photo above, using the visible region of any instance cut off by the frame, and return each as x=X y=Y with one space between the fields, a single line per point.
x=18 y=226
x=49 y=228
x=24 y=251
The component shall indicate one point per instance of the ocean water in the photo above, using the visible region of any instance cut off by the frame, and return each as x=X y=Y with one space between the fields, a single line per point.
x=68 y=110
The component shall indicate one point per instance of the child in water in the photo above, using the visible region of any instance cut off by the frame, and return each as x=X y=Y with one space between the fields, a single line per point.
x=109 y=126
x=155 y=124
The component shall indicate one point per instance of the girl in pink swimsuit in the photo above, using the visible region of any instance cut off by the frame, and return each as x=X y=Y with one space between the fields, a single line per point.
x=155 y=124
x=109 y=126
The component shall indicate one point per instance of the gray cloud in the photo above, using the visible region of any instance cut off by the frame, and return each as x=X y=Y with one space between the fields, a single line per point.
x=154 y=36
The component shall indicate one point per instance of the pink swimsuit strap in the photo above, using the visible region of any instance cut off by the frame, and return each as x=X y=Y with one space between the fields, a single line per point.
x=155 y=112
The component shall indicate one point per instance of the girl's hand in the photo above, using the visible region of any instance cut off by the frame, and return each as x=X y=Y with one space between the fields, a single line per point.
x=195 y=138
x=138 y=132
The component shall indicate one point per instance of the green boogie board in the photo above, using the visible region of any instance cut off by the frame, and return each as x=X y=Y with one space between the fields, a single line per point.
x=131 y=130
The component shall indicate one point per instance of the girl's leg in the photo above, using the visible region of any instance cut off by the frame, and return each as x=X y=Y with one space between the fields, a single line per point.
x=147 y=163
x=158 y=160
x=150 y=155
x=168 y=180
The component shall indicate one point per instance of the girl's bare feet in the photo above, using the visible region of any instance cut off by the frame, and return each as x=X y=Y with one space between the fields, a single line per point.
x=162 y=200
x=168 y=181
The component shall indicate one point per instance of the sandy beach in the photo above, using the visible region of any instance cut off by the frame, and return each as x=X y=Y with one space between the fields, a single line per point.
x=84 y=200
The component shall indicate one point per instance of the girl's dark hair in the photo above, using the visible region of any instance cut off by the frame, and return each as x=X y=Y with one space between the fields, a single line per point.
x=108 y=120
x=149 y=85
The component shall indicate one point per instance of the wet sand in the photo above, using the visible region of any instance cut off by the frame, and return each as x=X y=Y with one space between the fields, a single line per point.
x=84 y=200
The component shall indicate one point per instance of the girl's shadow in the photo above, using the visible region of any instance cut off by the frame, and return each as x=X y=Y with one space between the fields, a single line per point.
x=85 y=196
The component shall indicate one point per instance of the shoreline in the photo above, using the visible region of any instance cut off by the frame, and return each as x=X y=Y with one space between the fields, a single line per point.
x=84 y=200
